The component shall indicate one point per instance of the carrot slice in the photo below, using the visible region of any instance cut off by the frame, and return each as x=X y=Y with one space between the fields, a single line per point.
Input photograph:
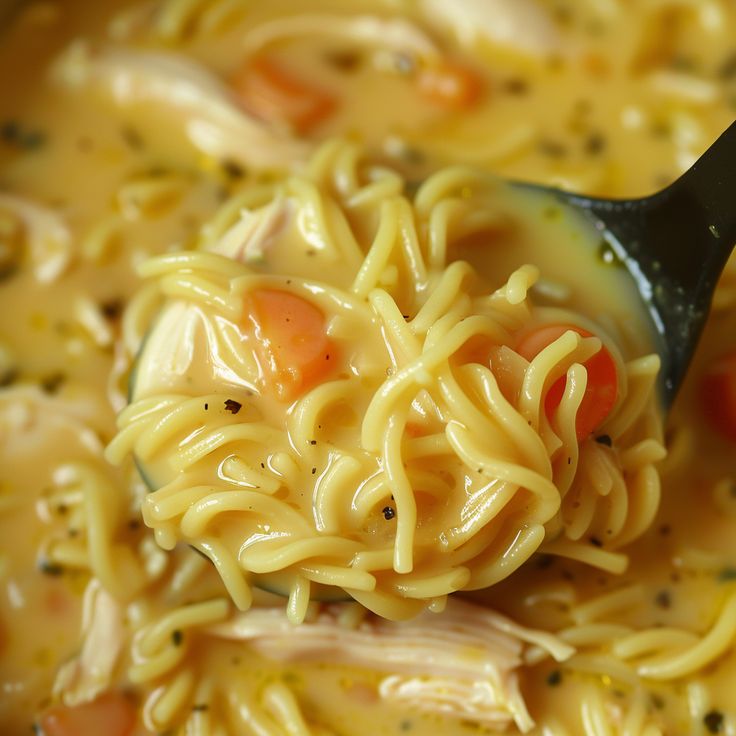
x=291 y=341
x=112 y=714
x=718 y=394
x=450 y=85
x=602 y=388
x=276 y=95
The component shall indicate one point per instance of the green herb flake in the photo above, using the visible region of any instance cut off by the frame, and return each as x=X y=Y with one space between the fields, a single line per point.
x=727 y=574
x=177 y=637
x=17 y=136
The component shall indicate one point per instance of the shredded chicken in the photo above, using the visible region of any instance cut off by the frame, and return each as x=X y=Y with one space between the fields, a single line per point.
x=212 y=119
x=519 y=25
x=47 y=236
x=461 y=663
x=90 y=673
x=249 y=239
x=394 y=34
x=30 y=419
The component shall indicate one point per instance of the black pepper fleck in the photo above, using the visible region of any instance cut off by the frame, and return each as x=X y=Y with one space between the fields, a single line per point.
x=132 y=138
x=663 y=599
x=345 y=60
x=50 y=568
x=232 y=169
x=554 y=678
x=713 y=721
x=516 y=86
x=9 y=377
x=657 y=701
x=233 y=406
x=604 y=439
x=53 y=382
x=596 y=542
x=177 y=637
x=594 y=144
x=388 y=513
x=112 y=309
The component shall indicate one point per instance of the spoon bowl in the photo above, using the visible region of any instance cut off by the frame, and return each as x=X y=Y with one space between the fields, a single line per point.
x=674 y=244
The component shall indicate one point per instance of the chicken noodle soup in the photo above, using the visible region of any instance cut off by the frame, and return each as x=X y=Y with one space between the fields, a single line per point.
x=332 y=395
x=311 y=425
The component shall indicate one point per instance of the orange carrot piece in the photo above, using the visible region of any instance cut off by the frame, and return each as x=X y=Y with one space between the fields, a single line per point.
x=112 y=714
x=718 y=394
x=291 y=341
x=276 y=95
x=450 y=85
x=602 y=387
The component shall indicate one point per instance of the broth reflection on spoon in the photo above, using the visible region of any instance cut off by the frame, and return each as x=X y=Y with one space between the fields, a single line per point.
x=675 y=244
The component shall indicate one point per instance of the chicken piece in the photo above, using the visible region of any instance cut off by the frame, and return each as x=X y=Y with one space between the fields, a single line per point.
x=46 y=236
x=89 y=674
x=213 y=121
x=461 y=663
x=521 y=26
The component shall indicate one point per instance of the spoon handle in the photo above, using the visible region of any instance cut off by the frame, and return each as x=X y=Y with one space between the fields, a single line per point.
x=676 y=244
x=704 y=200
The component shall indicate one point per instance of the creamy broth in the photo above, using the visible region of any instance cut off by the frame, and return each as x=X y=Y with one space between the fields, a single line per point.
x=616 y=108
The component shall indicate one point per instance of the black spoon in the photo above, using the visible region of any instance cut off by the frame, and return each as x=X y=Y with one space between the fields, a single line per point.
x=675 y=245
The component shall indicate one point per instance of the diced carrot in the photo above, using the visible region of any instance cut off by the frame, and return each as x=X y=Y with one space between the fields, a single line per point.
x=112 y=714
x=602 y=388
x=450 y=85
x=718 y=393
x=291 y=341
x=276 y=95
